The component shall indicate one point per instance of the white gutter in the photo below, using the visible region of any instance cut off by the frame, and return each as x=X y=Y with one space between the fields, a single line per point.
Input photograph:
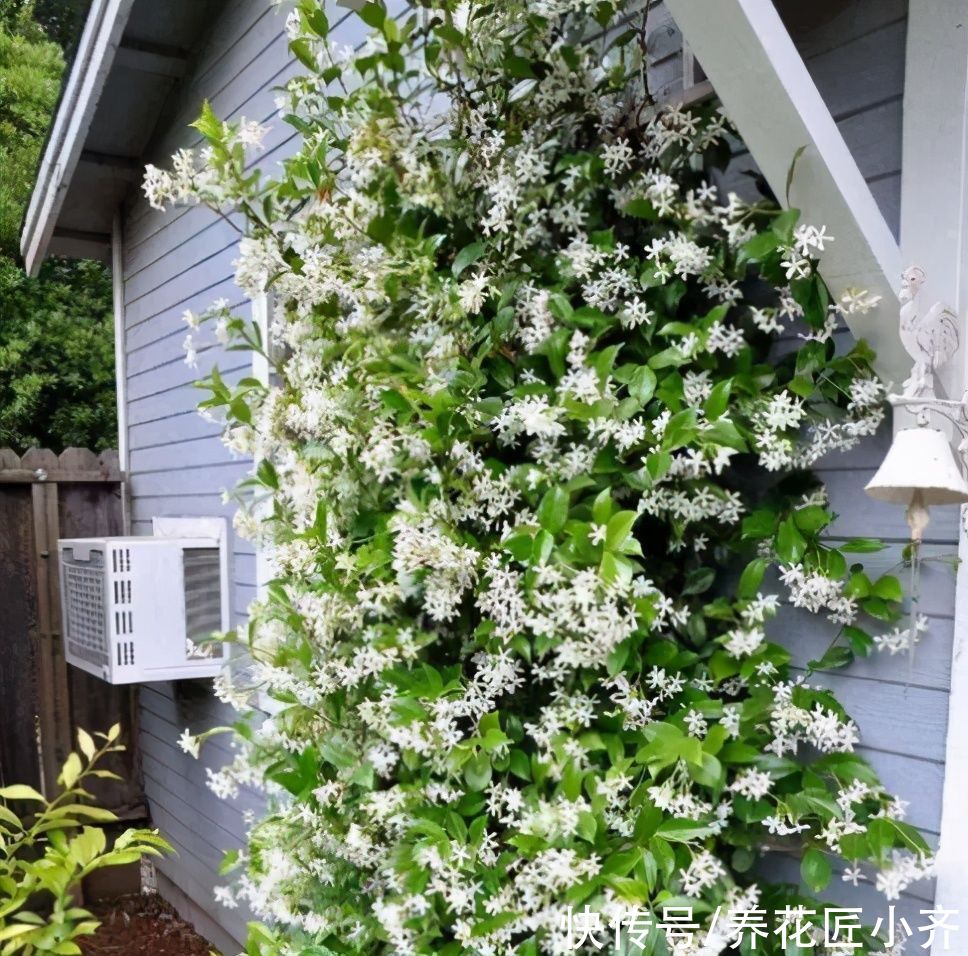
x=95 y=54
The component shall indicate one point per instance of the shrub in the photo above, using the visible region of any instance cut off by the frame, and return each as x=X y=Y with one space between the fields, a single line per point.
x=535 y=479
x=46 y=854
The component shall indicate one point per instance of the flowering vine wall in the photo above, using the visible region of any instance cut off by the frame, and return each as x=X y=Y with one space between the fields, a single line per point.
x=534 y=478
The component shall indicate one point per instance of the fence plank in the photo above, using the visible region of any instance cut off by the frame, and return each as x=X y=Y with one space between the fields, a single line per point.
x=73 y=464
x=18 y=684
x=53 y=688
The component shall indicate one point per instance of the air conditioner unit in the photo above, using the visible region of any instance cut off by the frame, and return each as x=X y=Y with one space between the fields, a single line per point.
x=137 y=609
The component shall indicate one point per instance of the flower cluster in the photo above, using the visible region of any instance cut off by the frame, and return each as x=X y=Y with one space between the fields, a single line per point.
x=532 y=476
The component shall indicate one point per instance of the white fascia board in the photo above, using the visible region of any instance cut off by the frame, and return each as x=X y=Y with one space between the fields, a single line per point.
x=95 y=53
x=934 y=235
x=765 y=88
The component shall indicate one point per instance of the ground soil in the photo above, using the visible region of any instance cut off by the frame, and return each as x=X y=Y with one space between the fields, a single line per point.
x=142 y=926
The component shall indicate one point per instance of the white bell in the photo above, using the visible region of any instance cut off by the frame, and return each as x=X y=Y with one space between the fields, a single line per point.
x=919 y=470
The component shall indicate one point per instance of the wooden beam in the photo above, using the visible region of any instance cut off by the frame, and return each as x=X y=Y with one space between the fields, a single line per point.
x=148 y=57
x=41 y=466
x=120 y=358
x=81 y=235
x=934 y=235
x=749 y=57
x=129 y=168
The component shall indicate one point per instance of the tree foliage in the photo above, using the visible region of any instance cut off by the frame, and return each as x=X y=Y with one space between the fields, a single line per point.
x=30 y=71
x=56 y=351
x=56 y=357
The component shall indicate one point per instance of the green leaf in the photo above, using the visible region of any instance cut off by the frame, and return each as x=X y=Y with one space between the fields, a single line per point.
x=698 y=581
x=303 y=52
x=835 y=658
x=86 y=743
x=683 y=831
x=751 y=579
x=20 y=791
x=888 y=588
x=858 y=585
x=812 y=518
x=587 y=826
x=373 y=15
x=790 y=544
x=642 y=384
x=477 y=772
x=718 y=400
x=70 y=771
x=520 y=765
x=793 y=167
x=784 y=224
x=640 y=209
x=861 y=643
x=759 y=247
x=709 y=773
x=863 y=545
x=467 y=257
x=209 y=125
x=553 y=509
x=619 y=528
x=815 y=869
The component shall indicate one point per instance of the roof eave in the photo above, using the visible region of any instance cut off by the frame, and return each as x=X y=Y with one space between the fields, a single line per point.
x=95 y=54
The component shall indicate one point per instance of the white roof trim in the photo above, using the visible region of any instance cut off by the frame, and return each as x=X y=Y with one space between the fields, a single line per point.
x=95 y=54
x=759 y=75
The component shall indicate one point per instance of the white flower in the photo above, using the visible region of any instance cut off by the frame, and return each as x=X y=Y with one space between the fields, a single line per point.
x=617 y=156
x=189 y=743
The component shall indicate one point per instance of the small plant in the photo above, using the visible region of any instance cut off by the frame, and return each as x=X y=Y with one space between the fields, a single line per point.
x=42 y=864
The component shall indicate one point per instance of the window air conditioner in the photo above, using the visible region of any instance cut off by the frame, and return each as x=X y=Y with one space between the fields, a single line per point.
x=137 y=609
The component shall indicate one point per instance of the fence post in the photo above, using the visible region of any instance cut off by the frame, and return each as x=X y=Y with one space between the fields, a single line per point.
x=55 y=715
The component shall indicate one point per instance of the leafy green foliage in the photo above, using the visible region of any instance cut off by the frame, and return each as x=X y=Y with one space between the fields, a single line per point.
x=30 y=71
x=56 y=349
x=56 y=357
x=537 y=484
x=47 y=850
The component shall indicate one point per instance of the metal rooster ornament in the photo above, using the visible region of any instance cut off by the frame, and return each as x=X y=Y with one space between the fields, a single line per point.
x=930 y=338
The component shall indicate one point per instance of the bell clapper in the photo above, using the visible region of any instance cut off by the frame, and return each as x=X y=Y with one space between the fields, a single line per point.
x=917 y=519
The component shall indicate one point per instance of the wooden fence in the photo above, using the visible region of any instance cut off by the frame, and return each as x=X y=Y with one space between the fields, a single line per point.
x=43 y=497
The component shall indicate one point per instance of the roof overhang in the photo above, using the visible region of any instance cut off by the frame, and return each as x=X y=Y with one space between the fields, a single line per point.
x=131 y=55
x=85 y=84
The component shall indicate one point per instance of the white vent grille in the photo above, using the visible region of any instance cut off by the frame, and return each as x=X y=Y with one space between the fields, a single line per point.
x=203 y=605
x=84 y=584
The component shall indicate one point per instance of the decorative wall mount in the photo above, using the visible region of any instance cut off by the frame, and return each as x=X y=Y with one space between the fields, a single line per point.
x=920 y=468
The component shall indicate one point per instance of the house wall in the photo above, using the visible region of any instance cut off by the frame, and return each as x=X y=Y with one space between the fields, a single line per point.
x=182 y=259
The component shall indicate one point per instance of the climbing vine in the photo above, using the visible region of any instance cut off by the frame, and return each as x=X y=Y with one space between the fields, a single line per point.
x=533 y=472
